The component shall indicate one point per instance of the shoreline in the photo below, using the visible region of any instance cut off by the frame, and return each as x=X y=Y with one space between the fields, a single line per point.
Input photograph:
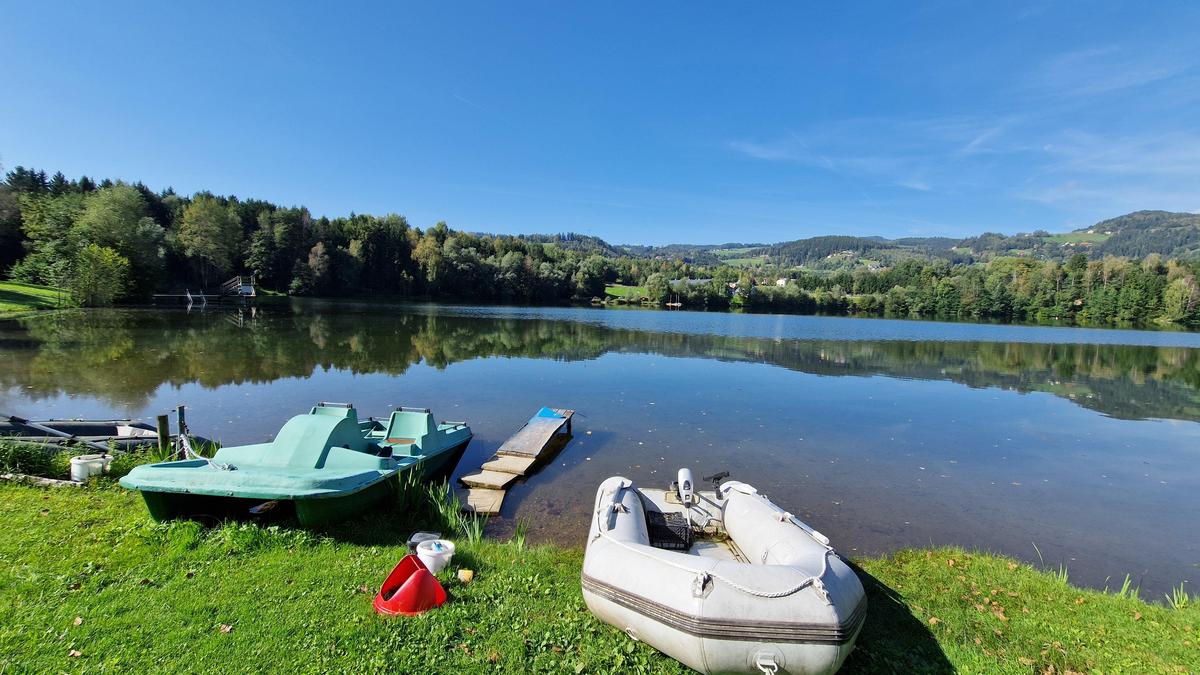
x=20 y=299
x=128 y=593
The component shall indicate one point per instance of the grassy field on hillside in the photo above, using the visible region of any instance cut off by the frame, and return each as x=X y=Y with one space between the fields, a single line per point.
x=745 y=262
x=736 y=257
x=17 y=297
x=1077 y=237
x=87 y=582
x=623 y=291
x=739 y=252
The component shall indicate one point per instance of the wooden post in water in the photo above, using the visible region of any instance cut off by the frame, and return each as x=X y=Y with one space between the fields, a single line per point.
x=182 y=421
x=164 y=434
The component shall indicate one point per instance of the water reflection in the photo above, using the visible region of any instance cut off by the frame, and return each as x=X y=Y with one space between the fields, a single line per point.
x=1087 y=450
x=124 y=356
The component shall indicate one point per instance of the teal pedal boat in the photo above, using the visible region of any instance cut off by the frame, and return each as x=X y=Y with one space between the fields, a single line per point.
x=327 y=465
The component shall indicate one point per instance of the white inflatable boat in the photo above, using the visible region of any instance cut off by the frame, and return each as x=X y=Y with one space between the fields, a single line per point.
x=723 y=581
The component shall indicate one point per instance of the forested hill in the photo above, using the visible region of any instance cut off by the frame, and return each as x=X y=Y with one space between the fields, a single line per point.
x=1138 y=234
x=1135 y=235
x=107 y=241
x=842 y=252
x=572 y=241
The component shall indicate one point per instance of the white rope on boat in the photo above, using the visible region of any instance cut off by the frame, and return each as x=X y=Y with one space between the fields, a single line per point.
x=192 y=454
x=702 y=575
x=784 y=516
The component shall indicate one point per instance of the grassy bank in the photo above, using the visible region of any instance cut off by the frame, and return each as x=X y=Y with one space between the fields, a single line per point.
x=623 y=291
x=87 y=582
x=18 y=297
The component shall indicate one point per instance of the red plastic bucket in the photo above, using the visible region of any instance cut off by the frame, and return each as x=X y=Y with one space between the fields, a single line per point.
x=409 y=590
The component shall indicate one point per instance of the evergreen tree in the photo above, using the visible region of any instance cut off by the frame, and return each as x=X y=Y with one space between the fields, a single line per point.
x=59 y=185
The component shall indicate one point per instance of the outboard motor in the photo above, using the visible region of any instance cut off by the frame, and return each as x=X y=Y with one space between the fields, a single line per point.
x=685 y=486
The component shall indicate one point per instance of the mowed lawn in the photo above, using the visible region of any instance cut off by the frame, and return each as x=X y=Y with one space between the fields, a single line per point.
x=1078 y=237
x=622 y=291
x=88 y=583
x=16 y=296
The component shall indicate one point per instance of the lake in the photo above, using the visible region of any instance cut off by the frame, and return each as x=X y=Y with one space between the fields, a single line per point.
x=1059 y=446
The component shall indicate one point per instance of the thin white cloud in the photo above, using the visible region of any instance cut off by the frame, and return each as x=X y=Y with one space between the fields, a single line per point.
x=979 y=142
x=1105 y=70
x=1137 y=171
x=464 y=99
x=1162 y=154
x=1090 y=132
x=909 y=153
x=914 y=184
x=771 y=152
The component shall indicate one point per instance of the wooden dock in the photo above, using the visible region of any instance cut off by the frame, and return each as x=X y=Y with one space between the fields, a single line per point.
x=515 y=459
x=241 y=287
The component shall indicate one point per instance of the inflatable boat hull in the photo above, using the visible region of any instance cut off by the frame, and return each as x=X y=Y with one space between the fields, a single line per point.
x=774 y=598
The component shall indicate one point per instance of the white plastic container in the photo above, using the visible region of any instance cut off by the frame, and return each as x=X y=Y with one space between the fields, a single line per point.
x=84 y=467
x=435 y=553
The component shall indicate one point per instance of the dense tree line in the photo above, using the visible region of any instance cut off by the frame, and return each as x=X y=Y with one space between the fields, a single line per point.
x=110 y=240
x=1110 y=291
x=73 y=232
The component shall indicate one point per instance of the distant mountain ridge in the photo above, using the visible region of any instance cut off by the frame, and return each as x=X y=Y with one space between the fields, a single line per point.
x=1138 y=234
x=1133 y=235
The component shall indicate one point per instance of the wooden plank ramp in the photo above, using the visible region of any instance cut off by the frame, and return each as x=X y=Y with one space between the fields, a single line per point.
x=483 y=501
x=516 y=458
x=514 y=465
x=494 y=480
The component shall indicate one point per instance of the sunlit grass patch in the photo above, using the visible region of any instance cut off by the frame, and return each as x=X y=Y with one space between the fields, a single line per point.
x=85 y=572
x=16 y=296
x=623 y=291
x=988 y=613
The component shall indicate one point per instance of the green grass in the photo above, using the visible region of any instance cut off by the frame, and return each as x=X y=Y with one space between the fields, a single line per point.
x=623 y=291
x=988 y=613
x=19 y=297
x=745 y=262
x=84 y=570
x=52 y=461
x=1076 y=238
x=36 y=460
x=740 y=252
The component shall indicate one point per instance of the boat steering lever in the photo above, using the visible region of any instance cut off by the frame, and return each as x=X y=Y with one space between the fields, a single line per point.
x=716 y=479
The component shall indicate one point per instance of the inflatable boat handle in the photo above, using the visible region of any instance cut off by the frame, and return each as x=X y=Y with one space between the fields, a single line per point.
x=766 y=663
x=614 y=505
x=821 y=539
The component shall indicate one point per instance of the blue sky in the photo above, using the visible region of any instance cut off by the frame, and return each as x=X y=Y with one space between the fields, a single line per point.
x=677 y=122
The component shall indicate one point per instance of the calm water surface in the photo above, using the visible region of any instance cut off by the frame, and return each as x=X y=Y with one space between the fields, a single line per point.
x=882 y=434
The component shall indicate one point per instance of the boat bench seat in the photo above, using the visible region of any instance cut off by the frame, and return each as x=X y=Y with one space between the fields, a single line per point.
x=407 y=432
